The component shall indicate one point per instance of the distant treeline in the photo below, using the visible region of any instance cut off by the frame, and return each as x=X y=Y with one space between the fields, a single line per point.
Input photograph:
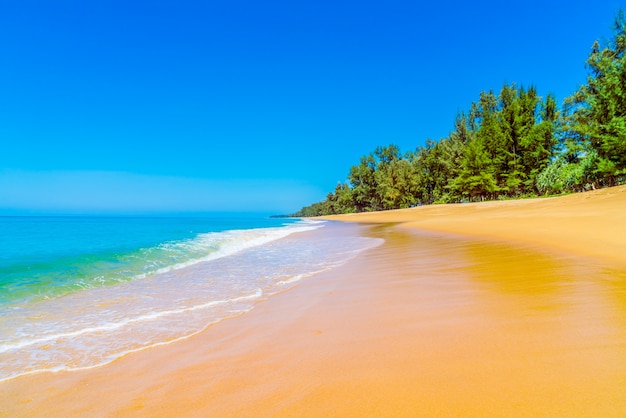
x=507 y=145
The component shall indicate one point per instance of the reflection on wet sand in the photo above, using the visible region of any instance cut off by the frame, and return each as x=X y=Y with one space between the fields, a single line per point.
x=515 y=329
x=426 y=324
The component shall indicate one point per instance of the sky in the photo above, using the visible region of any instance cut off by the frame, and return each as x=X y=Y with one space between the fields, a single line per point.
x=178 y=107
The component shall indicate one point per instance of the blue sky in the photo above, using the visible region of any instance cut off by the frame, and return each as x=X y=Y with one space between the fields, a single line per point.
x=199 y=106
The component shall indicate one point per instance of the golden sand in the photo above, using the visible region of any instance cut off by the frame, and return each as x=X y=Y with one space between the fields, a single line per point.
x=590 y=224
x=513 y=308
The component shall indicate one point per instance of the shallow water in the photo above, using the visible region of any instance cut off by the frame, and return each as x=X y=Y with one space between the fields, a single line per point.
x=423 y=325
x=173 y=290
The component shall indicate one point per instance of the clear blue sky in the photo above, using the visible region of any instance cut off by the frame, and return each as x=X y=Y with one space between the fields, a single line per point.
x=174 y=106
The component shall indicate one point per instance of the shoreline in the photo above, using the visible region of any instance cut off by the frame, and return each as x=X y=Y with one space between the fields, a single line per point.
x=589 y=224
x=427 y=324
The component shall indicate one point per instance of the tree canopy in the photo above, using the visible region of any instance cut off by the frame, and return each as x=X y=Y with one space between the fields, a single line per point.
x=510 y=144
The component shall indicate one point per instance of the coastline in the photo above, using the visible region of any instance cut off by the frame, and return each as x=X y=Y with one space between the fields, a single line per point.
x=589 y=224
x=494 y=309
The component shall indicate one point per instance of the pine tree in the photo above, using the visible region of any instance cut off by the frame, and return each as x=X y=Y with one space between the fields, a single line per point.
x=597 y=112
x=476 y=179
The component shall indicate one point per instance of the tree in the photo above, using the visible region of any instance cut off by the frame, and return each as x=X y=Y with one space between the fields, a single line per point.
x=506 y=145
x=344 y=199
x=397 y=184
x=491 y=138
x=476 y=179
x=542 y=141
x=596 y=113
x=435 y=164
x=363 y=184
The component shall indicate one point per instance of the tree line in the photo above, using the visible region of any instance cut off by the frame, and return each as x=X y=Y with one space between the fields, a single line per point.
x=509 y=144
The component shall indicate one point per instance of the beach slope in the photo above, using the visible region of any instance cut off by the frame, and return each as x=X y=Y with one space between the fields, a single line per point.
x=497 y=309
x=590 y=224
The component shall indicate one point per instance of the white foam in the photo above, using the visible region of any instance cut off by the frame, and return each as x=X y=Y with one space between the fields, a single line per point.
x=228 y=273
x=121 y=324
x=227 y=243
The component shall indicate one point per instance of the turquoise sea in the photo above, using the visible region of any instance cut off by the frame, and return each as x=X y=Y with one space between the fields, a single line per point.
x=79 y=292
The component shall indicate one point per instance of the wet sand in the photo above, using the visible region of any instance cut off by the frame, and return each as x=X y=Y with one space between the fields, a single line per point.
x=497 y=309
x=591 y=224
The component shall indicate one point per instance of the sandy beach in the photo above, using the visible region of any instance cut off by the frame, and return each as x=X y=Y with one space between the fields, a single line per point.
x=511 y=308
x=588 y=224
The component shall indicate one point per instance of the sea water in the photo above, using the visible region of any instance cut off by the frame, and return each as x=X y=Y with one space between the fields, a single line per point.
x=79 y=292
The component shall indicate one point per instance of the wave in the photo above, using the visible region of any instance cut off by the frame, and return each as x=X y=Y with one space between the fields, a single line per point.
x=52 y=278
x=204 y=280
x=113 y=326
x=222 y=244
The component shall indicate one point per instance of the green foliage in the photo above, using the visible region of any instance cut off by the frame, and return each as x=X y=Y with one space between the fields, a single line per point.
x=396 y=184
x=476 y=179
x=559 y=177
x=316 y=209
x=511 y=144
x=363 y=184
x=596 y=113
x=435 y=164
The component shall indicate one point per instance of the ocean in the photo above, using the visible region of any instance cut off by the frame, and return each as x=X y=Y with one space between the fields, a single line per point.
x=79 y=292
